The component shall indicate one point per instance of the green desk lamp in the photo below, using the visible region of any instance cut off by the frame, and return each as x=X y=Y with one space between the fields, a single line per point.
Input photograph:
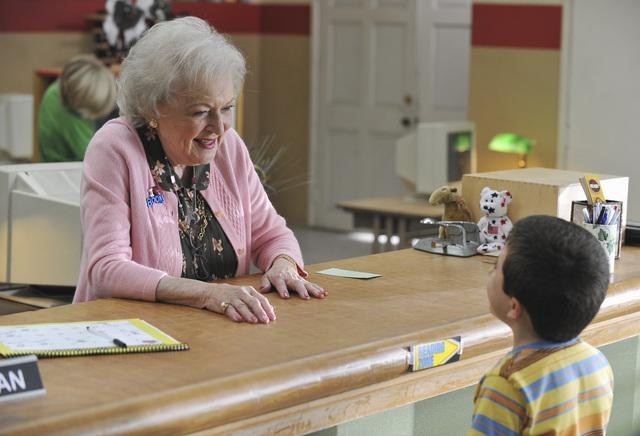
x=512 y=143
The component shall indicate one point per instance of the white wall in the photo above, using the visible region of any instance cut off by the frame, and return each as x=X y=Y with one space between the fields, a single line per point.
x=600 y=108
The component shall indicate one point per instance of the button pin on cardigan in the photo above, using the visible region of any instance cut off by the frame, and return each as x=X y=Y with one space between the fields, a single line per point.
x=154 y=197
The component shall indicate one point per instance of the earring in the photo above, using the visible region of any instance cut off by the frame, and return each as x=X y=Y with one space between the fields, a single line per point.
x=150 y=131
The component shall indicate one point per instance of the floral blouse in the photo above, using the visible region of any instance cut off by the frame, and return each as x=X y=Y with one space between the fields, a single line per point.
x=207 y=253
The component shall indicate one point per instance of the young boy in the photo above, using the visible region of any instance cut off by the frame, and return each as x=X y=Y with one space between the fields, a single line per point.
x=547 y=286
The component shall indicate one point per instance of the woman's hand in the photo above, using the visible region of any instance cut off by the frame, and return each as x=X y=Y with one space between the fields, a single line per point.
x=239 y=303
x=283 y=276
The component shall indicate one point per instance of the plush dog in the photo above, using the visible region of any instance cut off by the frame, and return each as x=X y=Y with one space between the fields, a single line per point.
x=495 y=225
x=455 y=208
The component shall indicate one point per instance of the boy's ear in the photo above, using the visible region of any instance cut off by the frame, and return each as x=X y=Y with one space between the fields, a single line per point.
x=515 y=311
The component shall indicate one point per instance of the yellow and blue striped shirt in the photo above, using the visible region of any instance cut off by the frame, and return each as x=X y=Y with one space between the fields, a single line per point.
x=545 y=388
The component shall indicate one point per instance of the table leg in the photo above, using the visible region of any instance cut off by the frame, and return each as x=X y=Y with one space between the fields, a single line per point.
x=375 y=247
x=388 y=229
x=402 y=233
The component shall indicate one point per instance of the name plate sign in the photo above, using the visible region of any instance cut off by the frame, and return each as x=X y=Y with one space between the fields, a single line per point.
x=20 y=378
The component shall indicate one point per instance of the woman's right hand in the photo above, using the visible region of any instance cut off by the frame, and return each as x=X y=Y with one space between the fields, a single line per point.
x=240 y=303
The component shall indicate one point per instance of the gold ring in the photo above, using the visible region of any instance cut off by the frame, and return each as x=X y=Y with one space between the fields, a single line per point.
x=224 y=306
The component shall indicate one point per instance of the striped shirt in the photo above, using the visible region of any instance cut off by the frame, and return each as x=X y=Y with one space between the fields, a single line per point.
x=545 y=388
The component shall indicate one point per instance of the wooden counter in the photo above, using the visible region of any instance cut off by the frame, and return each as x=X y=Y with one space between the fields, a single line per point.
x=321 y=363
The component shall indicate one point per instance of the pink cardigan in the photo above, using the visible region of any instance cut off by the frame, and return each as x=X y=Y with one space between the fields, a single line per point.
x=128 y=246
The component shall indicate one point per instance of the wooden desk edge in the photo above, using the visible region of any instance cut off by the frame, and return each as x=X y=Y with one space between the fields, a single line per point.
x=316 y=392
x=402 y=390
x=249 y=404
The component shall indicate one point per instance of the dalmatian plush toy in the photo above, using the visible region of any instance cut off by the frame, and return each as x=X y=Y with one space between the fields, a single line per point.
x=495 y=225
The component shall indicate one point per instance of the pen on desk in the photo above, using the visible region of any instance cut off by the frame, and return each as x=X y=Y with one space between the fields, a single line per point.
x=117 y=342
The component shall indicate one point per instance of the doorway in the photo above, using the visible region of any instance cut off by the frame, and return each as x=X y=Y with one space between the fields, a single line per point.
x=378 y=68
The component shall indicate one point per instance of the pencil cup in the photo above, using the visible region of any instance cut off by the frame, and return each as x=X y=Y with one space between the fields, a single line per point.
x=580 y=208
x=607 y=236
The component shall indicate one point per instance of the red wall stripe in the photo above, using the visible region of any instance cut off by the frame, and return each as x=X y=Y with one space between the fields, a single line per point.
x=286 y=19
x=71 y=16
x=47 y=15
x=226 y=18
x=521 y=26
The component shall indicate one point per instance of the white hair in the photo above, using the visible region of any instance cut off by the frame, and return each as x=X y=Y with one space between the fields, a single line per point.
x=173 y=58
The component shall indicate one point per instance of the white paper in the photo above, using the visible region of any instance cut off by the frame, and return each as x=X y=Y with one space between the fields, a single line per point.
x=74 y=336
x=348 y=273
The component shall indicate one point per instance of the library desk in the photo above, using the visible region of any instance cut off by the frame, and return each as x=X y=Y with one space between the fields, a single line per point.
x=392 y=215
x=321 y=363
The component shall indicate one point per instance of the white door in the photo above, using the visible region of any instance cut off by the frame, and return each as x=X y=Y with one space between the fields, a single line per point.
x=444 y=54
x=365 y=94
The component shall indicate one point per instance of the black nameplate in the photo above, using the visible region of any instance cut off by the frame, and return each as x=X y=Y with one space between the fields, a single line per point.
x=20 y=378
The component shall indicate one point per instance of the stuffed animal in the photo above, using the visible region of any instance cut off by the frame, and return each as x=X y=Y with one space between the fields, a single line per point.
x=495 y=225
x=455 y=208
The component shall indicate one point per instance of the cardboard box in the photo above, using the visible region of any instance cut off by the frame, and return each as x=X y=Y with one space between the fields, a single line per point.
x=541 y=191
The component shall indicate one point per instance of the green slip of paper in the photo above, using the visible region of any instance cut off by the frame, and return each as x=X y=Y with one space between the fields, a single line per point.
x=348 y=273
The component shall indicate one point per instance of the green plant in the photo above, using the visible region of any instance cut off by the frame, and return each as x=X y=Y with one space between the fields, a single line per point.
x=271 y=164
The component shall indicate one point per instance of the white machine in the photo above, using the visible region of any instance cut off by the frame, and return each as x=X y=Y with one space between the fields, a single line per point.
x=16 y=125
x=435 y=154
x=40 y=232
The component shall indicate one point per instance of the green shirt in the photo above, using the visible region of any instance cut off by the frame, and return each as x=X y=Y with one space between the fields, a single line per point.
x=62 y=134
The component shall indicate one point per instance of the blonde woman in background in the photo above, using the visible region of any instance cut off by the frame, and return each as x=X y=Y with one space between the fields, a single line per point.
x=71 y=106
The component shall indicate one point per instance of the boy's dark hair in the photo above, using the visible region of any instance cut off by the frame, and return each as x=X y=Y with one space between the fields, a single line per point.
x=559 y=273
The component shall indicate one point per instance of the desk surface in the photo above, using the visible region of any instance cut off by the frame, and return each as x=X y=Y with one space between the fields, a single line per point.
x=397 y=206
x=319 y=364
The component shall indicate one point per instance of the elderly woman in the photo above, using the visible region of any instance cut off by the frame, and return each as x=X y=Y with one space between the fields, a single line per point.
x=170 y=199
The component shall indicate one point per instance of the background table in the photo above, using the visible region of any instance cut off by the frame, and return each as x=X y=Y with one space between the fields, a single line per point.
x=321 y=363
x=392 y=216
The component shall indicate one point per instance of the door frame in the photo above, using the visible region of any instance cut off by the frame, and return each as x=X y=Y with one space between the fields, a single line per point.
x=562 y=151
x=314 y=115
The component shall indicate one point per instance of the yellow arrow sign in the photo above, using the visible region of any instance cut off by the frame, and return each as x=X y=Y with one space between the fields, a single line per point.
x=436 y=353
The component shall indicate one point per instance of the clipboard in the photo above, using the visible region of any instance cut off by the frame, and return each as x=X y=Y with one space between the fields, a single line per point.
x=85 y=338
